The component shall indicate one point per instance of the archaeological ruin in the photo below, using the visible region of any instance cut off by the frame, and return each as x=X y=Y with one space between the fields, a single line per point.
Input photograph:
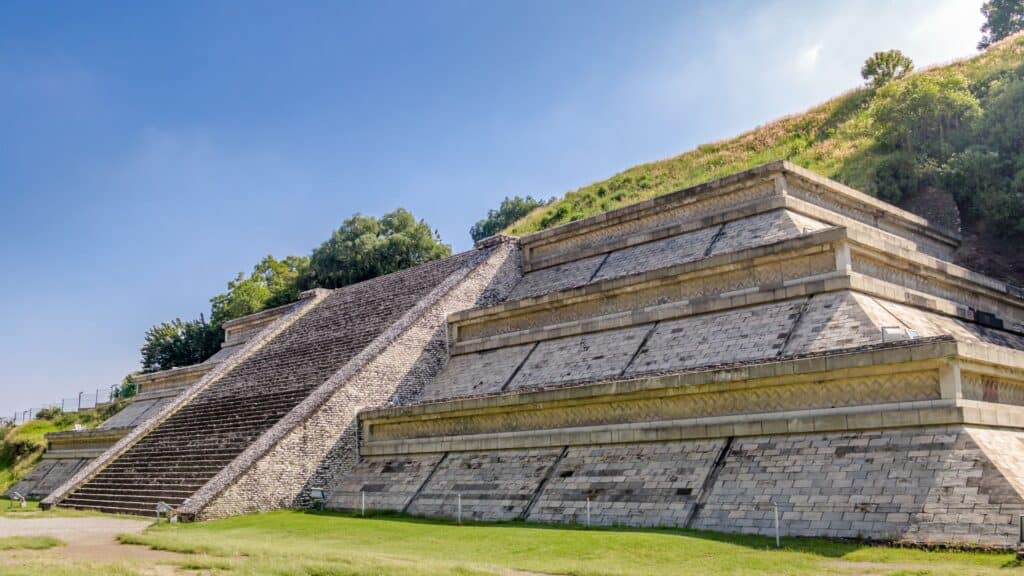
x=769 y=341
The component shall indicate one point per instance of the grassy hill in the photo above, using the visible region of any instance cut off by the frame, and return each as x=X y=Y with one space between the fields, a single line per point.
x=849 y=139
x=22 y=446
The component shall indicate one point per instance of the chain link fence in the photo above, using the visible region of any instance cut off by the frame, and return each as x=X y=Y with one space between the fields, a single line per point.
x=84 y=400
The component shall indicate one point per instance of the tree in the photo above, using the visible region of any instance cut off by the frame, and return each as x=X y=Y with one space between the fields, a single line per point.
x=1002 y=18
x=882 y=67
x=511 y=209
x=178 y=343
x=128 y=388
x=366 y=247
x=922 y=114
x=272 y=283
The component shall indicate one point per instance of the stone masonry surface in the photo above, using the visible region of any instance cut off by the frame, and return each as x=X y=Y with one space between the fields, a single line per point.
x=733 y=336
x=190 y=447
x=562 y=277
x=478 y=373
x=383 y=483
x=318 y=439
x=917 y=485
x=493 y=485
x=580 y=358
x=658 y=254
x=764 y=229
x=653 y=484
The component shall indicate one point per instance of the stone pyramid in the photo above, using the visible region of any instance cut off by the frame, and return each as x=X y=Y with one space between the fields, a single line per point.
x=772 y=338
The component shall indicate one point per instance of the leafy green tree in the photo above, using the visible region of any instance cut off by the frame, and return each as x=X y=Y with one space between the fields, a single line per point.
x=366 y=247
x=924 y=113
x=272 y=283
x=510 y=210
x=1002 y=18
x=883 y=67
x=127 y=389
x=179 y=343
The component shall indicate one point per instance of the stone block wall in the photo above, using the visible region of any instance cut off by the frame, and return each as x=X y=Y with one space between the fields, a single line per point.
x=388 y=483
x=653 y=484
x=494 y=486
x=955 y=485
x=921 y=485
x=319 y=440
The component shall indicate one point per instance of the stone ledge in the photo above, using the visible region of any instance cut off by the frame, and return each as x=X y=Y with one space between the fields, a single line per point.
x=910 y=224
x=815 y=242
x=870 y=417
x=76 y=454
x=869 y=360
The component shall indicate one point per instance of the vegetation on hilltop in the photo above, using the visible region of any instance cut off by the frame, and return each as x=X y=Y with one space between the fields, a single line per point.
x=958 y=128
x=363 y=247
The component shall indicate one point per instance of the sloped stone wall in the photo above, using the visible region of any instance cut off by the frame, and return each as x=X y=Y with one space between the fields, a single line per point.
x=319 y=440
x=492 y=486
x=951 y=485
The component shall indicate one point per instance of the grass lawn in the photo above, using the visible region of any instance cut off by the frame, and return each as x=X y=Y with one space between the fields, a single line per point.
x=28 y=543
x=12 y=509
x=296 y=543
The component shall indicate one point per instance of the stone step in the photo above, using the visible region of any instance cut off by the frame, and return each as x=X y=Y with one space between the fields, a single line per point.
x=161 y=494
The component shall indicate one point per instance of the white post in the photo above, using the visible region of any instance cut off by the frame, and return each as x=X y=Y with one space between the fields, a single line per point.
x=776 y=507
x=362 y=503
x=460 y=509
x=588 y=511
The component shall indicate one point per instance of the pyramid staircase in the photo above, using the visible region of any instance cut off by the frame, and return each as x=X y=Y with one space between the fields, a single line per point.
x=231 y=410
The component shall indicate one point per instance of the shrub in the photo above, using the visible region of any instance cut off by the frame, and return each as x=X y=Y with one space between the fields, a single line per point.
x=925 y=115
x=896 y=176
x=50 y=413
x=510 y=210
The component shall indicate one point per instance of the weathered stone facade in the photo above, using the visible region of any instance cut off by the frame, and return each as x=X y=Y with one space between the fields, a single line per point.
x=69 y=452
x=769 y=339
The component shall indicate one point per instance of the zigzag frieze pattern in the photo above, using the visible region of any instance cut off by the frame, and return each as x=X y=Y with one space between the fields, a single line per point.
x=823 y=200
x=906 y=387
x=874 y=268
x=984 y=388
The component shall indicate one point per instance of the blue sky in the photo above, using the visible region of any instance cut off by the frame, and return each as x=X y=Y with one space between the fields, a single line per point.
x=150 y=151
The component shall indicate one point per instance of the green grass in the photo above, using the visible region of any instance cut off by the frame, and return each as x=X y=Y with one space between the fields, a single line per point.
x=287 y=543
x=835 y=138
x=12 y=509
x=28 y=543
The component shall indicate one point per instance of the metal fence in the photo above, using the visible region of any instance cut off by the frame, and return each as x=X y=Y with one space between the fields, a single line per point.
x=84 y=400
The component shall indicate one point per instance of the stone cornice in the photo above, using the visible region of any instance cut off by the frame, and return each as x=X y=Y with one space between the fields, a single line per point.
x=893 y=385
x=834 y=195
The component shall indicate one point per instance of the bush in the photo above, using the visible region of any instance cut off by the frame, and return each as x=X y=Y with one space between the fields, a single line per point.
x=511 y=209
x=970 y=175
x=50 y=413
x=925 y=115
x=896 y=176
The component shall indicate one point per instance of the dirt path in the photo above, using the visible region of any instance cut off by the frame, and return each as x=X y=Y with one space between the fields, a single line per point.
x=89 y=539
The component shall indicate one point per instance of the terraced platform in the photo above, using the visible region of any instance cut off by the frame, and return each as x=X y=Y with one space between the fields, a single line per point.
x=768 y=339
x=204 y=432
